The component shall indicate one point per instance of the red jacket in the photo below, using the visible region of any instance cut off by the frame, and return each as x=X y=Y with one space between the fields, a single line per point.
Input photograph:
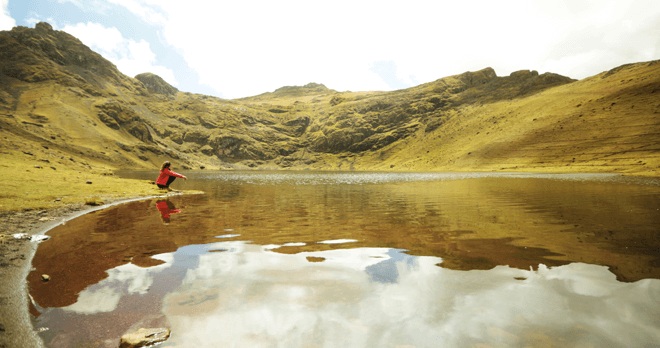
x=165 y=174
x=165 y=210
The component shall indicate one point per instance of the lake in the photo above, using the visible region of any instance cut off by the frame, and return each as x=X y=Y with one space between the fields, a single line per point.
x=323 y=259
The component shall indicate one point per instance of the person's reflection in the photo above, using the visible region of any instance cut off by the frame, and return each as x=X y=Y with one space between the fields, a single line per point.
x=166 y=209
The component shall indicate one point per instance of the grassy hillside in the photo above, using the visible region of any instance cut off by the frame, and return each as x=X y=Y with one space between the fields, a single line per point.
x=63 y=102
x=606 y=123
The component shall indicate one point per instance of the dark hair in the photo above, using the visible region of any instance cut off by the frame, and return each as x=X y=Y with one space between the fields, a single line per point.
x=165 y=165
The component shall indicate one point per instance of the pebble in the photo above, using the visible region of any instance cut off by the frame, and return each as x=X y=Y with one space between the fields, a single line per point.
x=39 y=238
x=45 y=277
x=88 y=182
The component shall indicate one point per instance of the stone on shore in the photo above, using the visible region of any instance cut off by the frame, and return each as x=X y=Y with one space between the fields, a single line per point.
x=144 y=337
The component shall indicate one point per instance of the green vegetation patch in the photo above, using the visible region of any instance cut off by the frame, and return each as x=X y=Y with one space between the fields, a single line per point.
x=29 y=182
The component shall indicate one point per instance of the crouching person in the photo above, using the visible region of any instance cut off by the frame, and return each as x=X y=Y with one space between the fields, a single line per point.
x=167 y=176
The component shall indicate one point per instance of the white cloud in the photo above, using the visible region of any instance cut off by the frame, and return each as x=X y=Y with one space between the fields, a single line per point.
x=148 y=14
x=130 y=57
x=106 y=40
x=246 y=48
x=6 y=21
x=33 y=21
x=579 y=64
x=604 y=36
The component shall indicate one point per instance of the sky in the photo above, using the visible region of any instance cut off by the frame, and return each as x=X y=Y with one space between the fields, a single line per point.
x=235 y=49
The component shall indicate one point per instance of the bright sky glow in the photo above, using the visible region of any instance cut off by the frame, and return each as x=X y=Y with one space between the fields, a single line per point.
x=243 y=48
x=6 y=22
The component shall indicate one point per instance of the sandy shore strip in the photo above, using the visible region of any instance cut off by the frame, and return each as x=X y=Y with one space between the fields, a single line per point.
x=16 y=255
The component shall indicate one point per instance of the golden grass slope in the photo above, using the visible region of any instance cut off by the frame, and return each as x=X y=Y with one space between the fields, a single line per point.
x=57 y=93
x=606 y=123
x=32 y=183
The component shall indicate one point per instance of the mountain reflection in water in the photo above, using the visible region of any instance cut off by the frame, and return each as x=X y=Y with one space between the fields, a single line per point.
x=362 y=260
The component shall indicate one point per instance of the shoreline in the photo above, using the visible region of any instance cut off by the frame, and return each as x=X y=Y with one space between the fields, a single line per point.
x=16 y=255
x=16 y=329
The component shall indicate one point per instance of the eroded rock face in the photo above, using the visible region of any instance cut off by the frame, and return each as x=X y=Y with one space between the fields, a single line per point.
x=144 y=337
x=140 y=131
x=310 y=88
x=240 y=147
x=298 y=125
x=42 y=54
x=115 y=114
x=196 y=136
x=476 y=78
x=155 y=84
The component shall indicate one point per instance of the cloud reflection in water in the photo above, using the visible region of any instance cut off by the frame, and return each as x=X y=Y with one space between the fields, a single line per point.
x=250 y=296
x=126 y=279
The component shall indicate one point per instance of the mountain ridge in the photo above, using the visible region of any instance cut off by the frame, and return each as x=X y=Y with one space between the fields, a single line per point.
x=57 y=92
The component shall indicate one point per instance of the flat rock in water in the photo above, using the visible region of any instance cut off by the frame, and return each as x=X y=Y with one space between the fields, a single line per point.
x=144 y=337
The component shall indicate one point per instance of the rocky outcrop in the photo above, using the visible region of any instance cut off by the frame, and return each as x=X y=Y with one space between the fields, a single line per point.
x=295 y=127
x=537 y=83
x=155 y=84
x=517 y=84
x=308 y=89
x=471 y=79
x=196 y=136
x=293 y=91
x=57 y=46
x=237 y=147
x=114 y=113
x=42 y=54
x=140 y=131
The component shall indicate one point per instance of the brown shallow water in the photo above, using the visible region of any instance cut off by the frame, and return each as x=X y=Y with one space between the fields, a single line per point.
x=279 y=259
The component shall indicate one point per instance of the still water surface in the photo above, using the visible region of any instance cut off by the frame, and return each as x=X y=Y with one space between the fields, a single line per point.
x=305 y=259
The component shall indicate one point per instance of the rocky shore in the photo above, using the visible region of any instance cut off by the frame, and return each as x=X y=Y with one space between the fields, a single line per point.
x=16 y=328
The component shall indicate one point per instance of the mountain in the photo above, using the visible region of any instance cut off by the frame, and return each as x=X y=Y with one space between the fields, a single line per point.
x=57 y=93
x=155 y=84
